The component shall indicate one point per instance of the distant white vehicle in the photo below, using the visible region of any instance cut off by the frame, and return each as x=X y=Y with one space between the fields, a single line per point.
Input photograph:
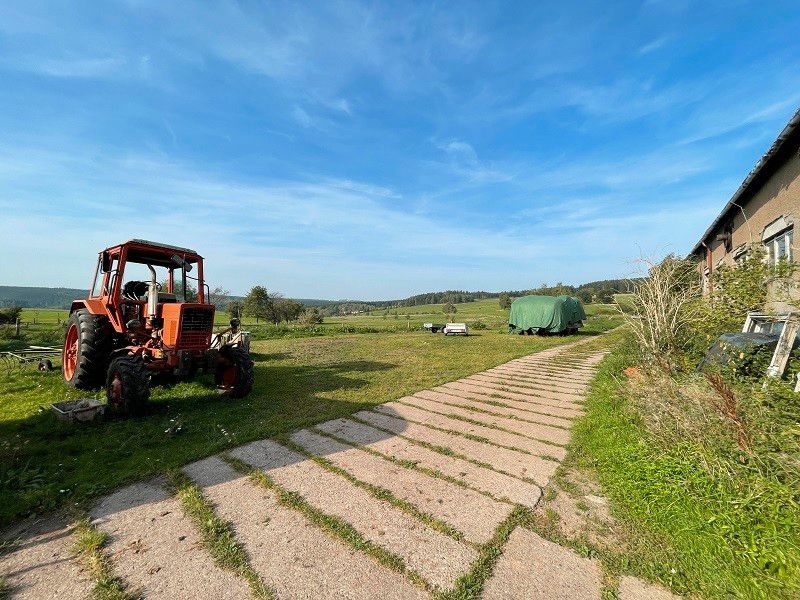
x=433 y=327
x=456 y=329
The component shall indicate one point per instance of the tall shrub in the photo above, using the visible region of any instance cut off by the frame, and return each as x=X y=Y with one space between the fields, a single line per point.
x=664 y=308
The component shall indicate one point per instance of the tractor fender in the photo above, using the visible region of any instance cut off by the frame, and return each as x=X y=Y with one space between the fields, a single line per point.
x=95 y=307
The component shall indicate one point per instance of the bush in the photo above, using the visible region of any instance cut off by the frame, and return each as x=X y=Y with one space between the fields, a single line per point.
x=664 y=309
x=10 y=314
x=478 y=325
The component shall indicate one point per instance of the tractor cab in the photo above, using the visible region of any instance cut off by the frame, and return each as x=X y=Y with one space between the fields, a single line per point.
x=149 y=305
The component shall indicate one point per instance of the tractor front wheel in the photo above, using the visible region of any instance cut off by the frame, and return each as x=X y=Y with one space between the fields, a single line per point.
x=234 y=373
x=127 y=386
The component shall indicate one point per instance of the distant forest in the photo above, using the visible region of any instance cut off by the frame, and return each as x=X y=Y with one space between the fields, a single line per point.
x=594 y=291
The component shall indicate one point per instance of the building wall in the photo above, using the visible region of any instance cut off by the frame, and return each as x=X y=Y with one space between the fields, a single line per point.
x=778 y=197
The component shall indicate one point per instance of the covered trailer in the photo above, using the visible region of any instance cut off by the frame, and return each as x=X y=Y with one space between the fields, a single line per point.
x=546 y=315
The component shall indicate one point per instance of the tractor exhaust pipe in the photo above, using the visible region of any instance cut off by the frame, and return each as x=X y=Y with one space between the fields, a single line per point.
x=152 y=295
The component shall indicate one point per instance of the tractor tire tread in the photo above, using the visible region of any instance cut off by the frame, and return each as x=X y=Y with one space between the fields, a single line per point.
x=94 y=338
x=136 y=382
x=244 y=384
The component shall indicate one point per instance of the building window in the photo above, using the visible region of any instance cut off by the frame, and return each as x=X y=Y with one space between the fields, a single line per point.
x=779 y=247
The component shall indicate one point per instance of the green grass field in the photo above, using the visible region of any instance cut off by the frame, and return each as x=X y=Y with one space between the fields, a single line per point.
x=44 y=326
x=45 y=464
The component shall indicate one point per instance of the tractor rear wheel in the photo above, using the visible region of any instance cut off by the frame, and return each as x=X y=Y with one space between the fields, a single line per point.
x=87 y=344
x=234 y=373
x=127 y=386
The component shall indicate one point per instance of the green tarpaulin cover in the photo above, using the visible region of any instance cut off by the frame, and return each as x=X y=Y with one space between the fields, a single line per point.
x=545 y=314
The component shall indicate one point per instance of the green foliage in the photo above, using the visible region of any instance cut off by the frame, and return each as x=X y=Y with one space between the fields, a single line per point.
x=235 y=309
x=310 y=317
x=449 y=308
x=191 y=290
x=10 y=314
x=735 y=291
x=258 y=304
x=505 y=301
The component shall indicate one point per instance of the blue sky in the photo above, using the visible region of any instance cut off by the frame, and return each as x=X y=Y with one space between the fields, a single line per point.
x=376 y=150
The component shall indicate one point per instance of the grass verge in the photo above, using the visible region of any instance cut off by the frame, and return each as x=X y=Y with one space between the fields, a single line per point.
x=332 y=525
x=697 y=530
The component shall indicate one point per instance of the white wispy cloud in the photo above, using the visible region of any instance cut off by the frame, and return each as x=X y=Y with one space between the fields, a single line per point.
x=301 y=116
x=654 y=45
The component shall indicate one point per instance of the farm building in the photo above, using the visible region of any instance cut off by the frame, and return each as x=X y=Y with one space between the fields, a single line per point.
x=762 y=211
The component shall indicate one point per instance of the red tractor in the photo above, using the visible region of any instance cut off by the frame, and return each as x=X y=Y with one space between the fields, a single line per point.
x=129 y=327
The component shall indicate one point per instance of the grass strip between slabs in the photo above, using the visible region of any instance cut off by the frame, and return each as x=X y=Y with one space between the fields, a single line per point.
x=444 y=450
x=494 y=414
x=89 y=547
x=489 y=425
x=381 y=493
x=470 y=436
x=410 y=464
x=217 y=535
x=332 y=525
x=470 y=585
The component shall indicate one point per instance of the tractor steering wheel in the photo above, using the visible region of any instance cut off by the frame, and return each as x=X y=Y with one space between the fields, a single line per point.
x=134 y=290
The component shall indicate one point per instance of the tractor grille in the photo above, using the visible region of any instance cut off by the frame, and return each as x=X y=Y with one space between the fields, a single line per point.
x=196 y=326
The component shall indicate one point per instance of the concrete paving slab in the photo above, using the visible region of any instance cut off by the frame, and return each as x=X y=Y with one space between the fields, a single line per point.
x=157 y=549
x=294 y=557
x=436 y=557
x=482 y=387
x=530 y=404
x=555 y=384
x=495 y=436
x=536 y=431
x=455 y=399
x=561 y=398
x=632 y=588
x=532 y=567
x=42 y=564
x=509 y=461
x=505 y=380
x=535 y=381
x=557 y=370
x=480 y=478
x=470 y=512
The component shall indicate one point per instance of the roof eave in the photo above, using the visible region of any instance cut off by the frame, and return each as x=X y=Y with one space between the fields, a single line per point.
x=792 y=127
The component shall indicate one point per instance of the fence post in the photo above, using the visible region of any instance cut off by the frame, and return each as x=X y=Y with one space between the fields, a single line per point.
x=18 y=322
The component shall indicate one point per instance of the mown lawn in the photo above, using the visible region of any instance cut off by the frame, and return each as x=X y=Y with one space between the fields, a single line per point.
x=44 y=463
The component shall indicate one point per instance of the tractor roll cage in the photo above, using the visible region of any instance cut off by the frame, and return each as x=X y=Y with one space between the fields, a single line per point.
x=110 y=271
